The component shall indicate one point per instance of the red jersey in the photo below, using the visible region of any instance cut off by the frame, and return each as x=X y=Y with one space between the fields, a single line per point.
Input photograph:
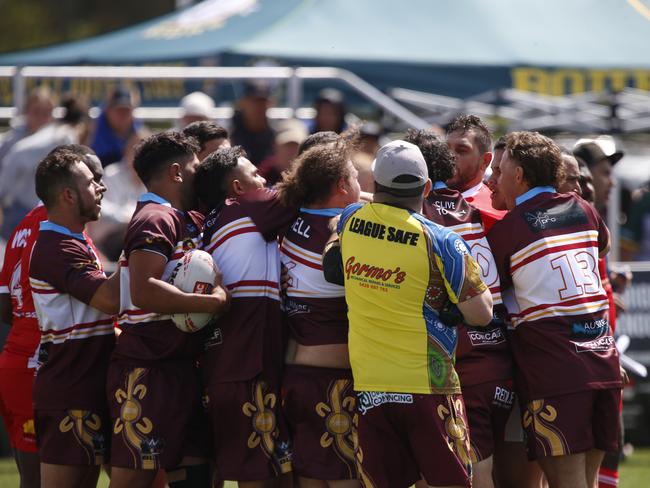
x=479 y=197
x=21 y=347
x=482 y=353
x=546 y=250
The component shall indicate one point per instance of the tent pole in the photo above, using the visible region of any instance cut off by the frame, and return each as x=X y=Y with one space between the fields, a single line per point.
x=294 y=91
x=18 y=90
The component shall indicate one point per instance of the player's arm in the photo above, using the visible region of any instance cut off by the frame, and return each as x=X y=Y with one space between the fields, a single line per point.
x=333 y=263
x=150 y=293
x=477 y=310
x=107 y=296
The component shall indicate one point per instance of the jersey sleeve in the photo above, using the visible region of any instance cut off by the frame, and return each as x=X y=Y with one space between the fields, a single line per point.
x=11 y=258
x=461 y=272
x=271 y=217
x=501 y=252
x=155 y=233
x=71 y=269
x=345 y=216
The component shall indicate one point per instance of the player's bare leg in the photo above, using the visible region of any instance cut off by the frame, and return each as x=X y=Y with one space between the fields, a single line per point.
x=131 y=478
x=565 y=471
x=29 y=468
x=482 y=473
x=594 y=458
x=57 y=475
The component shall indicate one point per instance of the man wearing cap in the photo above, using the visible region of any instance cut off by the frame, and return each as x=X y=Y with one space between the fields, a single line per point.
x=195 y=107
x=402 y=273
x=593 y=152
x=250 y=126
x=115 y=125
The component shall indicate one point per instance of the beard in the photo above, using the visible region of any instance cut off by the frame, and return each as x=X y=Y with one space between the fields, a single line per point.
x=88 y=211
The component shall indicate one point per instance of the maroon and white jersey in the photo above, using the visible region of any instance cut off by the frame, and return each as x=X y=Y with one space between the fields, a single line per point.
x=546 y=250
x=482 y=353
x=76 y=339
x=159 y=228
x=241 y=235
x=316 y=309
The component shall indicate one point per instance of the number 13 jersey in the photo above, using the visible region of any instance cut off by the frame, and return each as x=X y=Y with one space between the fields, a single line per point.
x=546 y=250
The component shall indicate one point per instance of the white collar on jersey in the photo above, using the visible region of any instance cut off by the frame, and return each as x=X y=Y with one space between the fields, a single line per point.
x=152 y=197
x=533 y=192
x=47 y=225
x=470 y=192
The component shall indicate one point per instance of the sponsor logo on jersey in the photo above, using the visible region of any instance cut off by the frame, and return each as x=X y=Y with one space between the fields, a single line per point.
x=366 y=273
x=292 y=307
x=203 y=288
x=20 y=239
x=503 y=397
x=589 y=329
x=371 y=399
x=565 y=215
x=215 y=339
x=486 y=338
x=601 y=344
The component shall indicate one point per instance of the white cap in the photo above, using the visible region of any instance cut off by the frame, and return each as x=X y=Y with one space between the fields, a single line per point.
x=400 y=166
x=197 y=104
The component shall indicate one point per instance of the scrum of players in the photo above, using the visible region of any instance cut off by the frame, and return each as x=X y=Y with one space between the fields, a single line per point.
x=266 y=394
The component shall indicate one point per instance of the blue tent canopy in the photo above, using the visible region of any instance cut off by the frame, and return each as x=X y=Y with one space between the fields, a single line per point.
x=458 y=48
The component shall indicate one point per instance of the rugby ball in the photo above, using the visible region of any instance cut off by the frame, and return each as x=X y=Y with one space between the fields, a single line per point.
x=195 y=272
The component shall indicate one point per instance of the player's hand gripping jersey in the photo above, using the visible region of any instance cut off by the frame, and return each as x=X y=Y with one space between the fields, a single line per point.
x=547 y=250
x=400 y=270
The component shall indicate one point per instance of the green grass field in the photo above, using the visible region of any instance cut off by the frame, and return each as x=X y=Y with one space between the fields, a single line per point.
x=635 y=472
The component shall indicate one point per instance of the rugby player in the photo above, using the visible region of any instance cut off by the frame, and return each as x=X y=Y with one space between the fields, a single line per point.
x=483 y=361
x=401 y=271
x=546 y=249
x=243 y=358
x=209 y=135
x=153 y=384
x=18 y=361
x=469 y=140
x=74 y=301
x=318 y=397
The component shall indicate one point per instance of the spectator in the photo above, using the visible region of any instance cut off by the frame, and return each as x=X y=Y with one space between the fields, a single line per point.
x=17 y=192
x=36 y=114
x=209 y=135
x=330 y=112
x=115 y=125
x=292 y=133
x=196 y=107
x=250 y=126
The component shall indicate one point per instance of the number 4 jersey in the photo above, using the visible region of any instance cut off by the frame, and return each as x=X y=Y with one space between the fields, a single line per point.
x=546 y=250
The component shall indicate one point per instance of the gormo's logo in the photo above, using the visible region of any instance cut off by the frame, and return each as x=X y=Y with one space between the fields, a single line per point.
x=354 y=268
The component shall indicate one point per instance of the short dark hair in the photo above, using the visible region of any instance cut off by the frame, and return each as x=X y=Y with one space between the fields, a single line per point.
x=88 y=155
x=440 y=160
x=160 y=150
x=500 y=144
x=54 y=173
x=318 y=139
x=211 y=176
x=539 y=157
x=204 y=131
x=466 y=123
x=313 y=173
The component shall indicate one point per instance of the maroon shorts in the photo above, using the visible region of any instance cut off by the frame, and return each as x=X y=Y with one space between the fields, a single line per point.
x=404 y=437
x=73 y=437
x=319 y=404
x=249 y=434
x=574 y=423
x=16 y=407
x=157 y=414
x=488 y=407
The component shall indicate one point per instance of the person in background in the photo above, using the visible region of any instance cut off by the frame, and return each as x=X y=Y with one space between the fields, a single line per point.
x=290 y=134
x=250 y=126
x=37 y=113
x=210 y=137
x=195 y=107
x=17 y=192
x=330 y=112
x=115 y=125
